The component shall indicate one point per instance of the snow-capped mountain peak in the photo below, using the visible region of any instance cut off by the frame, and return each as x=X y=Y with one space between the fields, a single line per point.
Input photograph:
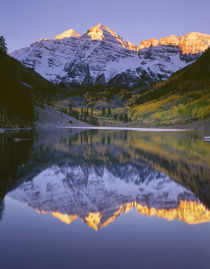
x=68 y=33
x=101 y=56
x=96 y=32
x=171 y=40
x=101 y=32
x=194 y=43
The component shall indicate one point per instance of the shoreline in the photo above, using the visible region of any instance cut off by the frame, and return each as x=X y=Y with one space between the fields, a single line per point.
x=126 y=128
x=49 y=119
x=139 y=129
x=50 y=125
x=3 y=130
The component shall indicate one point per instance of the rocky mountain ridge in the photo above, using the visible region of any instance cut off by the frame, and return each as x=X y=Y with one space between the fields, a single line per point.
x=101 y=56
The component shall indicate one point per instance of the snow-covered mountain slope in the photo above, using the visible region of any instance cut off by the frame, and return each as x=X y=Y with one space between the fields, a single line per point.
x=98 y=196
x=101 y=56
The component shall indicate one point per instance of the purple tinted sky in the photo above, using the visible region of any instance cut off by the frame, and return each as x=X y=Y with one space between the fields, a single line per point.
x=25 y=21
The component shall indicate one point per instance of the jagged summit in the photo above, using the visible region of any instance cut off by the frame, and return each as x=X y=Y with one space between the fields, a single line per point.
x=101 y=56
x=96 y=32
x=101 y=32
x=171 y=40
x=68 y=33
x=194 y=43
x=190 y=44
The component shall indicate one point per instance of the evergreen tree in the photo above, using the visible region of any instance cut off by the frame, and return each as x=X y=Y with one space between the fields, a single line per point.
x=3 y=46
x=121 y=117
x=70 y=107
x=125 y=118
x=103 y=111
x=85 y=117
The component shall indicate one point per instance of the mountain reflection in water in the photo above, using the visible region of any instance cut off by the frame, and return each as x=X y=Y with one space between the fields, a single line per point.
x=98 y=175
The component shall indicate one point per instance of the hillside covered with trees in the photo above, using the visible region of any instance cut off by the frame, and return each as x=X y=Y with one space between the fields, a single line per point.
x=21 y=88
x=182 y=98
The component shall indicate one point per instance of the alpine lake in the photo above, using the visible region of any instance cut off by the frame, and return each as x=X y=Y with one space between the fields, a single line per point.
x=88 y=198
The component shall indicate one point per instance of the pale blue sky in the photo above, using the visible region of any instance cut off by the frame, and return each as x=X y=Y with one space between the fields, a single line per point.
x=25 y=21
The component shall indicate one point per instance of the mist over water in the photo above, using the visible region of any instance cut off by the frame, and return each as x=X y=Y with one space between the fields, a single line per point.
x=99 y=198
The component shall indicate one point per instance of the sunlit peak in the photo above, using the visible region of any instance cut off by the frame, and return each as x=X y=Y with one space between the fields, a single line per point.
x=43 y=39
x=96 y=33
x=99 y=25
x=101 y=32
x=68 y=33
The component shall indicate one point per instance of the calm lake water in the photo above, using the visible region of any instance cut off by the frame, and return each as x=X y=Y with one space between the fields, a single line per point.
x=104 y=199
